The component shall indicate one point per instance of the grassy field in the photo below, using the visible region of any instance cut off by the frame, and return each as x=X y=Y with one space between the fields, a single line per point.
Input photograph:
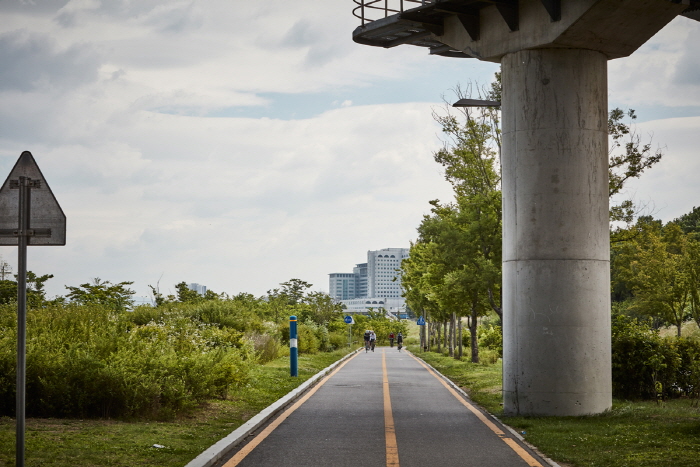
x=632 y=434
x=123 y=443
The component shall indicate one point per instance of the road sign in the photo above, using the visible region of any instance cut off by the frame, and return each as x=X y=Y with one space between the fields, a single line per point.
x=47 y=223
x=421 y=321
x=29 y=215
x=349 y=320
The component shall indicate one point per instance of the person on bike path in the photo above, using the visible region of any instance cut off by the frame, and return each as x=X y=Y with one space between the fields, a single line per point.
x=372 y=340
x=399 y=341
x=391 y=339
x=367 y=335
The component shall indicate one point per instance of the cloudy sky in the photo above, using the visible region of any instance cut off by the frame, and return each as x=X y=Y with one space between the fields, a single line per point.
x=239 y=144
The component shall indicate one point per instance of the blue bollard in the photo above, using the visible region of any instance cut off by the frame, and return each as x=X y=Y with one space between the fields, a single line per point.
x=293 y=350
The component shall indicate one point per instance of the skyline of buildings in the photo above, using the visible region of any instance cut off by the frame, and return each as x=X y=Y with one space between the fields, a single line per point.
x=374 y=284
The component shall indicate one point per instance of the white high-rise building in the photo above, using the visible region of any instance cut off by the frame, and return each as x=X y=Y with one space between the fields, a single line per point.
x=374 y=284
x=342 y=286
x=383 y=271
x=199 y=288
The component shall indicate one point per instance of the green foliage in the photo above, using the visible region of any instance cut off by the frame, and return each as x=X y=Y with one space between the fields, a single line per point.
x=294 y=290
x=380 y=324
x=491 y=337
x=104 y=293
x=628 y=158
x=690 y=223
x=644 y=362
x=95 y=361
x=36 y=295
x=656 y=271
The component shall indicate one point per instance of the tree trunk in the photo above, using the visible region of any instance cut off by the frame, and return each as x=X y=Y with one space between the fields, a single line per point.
x=439 y=338
x=459 y=325
x=444 y=333
x=429 y=336
x=474 y=337
x=450 y=336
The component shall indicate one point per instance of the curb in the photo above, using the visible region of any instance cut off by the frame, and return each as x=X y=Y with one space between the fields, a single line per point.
x=218 y=450
x=496 y=419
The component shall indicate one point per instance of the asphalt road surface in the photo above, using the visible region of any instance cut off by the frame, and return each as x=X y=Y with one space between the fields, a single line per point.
x=383 y=408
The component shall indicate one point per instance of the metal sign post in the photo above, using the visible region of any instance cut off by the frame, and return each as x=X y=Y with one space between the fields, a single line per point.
x=349 y=321
x=293 y=347
x=29 y=215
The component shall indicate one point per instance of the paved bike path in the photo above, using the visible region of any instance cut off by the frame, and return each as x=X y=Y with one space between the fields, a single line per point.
x=346 y=422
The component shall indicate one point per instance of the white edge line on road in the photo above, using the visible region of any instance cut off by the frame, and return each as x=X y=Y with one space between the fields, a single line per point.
x=511 y=430
x=218 y=450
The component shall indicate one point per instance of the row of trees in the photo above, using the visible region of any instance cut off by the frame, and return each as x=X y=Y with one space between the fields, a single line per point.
x=454 y=269
x=655 y=270
x=93 y=353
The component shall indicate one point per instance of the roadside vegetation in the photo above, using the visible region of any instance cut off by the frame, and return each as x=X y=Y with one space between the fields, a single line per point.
x=453 y=278
x=634 y=433
x=110 y=383
x=115 y=442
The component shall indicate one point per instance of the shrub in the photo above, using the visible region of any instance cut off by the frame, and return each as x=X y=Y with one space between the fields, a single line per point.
x=337 y=340
x=491 y=337
x=267 y=348
x=307 y=340
x=92 y=361
x=641 y=359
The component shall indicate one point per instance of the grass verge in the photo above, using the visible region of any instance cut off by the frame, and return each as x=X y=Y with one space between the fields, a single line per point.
x=115 y=443
x=631 y=434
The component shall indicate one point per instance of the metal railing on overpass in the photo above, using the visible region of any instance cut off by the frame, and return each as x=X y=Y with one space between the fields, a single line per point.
x=372 y=10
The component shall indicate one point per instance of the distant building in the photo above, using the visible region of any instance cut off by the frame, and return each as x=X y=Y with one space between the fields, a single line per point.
x=374 y=284
x=342 y=286
x=199 y=288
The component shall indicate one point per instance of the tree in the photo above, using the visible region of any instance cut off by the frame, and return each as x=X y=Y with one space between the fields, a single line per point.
x=185 y=294
x=636 y=157
x=36 y=295
x=690 y=223
x=294 y=290
x=654 y=265
x=323 y=308
x=115 y=296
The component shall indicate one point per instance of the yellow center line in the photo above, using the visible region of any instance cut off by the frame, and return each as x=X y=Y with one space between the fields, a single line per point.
x=392 y=449
x=531 y=461
x=248 y=448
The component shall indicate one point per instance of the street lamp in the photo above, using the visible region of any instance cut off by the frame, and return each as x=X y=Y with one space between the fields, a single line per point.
x=476 y=103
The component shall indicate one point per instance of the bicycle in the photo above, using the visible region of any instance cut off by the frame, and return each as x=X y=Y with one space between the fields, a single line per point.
x=372 y=343
x=367 y=347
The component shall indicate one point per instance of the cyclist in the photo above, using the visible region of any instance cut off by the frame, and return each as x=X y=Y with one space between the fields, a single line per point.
x=399 y=341
x=391 y=338
x=367 y=335
x=372 y=339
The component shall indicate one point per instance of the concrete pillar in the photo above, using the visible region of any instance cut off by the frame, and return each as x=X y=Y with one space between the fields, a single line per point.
x=556 y=249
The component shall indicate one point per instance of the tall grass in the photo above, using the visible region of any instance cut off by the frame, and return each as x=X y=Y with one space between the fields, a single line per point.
x=91 y=361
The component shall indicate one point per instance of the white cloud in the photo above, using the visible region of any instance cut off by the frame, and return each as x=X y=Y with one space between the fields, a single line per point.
x=664 y=71
x=153 y=185
x=670 y=188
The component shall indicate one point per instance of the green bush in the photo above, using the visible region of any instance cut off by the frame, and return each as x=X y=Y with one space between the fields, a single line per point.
x=491 y=337
x=641 y=359
x=92 y=361
x=266 y=347
x=306 y=338
x=337 y=340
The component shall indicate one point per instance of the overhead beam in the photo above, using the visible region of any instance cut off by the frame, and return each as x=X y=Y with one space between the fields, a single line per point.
x=510 y=13
x=553 y=8
x=469 y=17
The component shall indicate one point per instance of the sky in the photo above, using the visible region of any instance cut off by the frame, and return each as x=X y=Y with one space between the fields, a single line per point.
x=239 y=144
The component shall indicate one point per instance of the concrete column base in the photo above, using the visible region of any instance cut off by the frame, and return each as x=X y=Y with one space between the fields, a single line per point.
x=556 y=250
